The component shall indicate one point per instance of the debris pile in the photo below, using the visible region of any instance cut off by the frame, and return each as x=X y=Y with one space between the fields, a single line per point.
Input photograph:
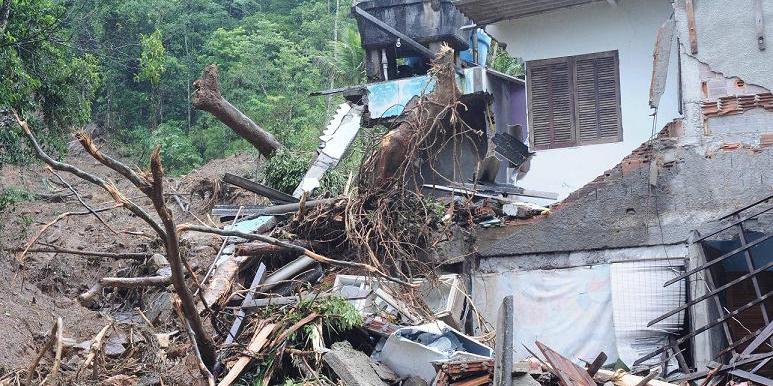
x=345 y=290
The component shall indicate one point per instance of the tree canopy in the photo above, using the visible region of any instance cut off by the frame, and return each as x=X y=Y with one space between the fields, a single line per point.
x=128 y=67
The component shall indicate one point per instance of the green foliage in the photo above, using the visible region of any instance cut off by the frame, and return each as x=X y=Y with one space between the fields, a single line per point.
x=41 y=75
x=13 y=195
x=129 y=66
x=178 y=153
x=152 y=58
x=285 y=169
x=501 y=61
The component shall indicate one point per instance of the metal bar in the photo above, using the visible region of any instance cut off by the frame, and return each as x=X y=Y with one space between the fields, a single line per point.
x=237 y=324
x=762 y=337
x=750 y=264
x=737 y=343
x=761 y=365
x=747 y=207
x=388 y=29
x=260 y=189
x=710 y=294
x=717 y=260
x=701 y=374
x=736 y=222
x=753 y=377
x=708 y=326
x=709 y=279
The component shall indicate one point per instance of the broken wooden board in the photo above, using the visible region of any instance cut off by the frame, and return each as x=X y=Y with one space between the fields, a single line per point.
x=569 y=373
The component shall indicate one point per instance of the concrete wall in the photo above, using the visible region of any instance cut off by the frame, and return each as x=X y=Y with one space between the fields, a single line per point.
x=630 y=28
x=727 y=47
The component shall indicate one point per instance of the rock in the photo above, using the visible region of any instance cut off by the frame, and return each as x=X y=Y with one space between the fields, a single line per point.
x=414 y=381
x=157 y=261
x=351 y=366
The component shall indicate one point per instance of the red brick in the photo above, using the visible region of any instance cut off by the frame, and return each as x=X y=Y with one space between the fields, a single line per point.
x=766 y=139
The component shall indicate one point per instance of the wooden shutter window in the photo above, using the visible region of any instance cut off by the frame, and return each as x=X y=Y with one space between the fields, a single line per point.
x=550 y=95
x=574 y=100
x=597 y=95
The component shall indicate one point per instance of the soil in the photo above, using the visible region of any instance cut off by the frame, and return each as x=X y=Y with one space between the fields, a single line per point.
x=44 y=286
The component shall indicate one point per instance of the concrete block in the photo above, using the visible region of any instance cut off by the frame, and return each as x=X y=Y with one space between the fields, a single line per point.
x=503 y=346
x=351 y=366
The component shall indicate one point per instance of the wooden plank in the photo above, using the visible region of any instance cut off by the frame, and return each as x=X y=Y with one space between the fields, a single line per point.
x=759 y=24
x=256 y=344
x=747 y=253
x=594 y=367
x=710 y=293
x=567 y=372
x=690 y=10
x=718 y=259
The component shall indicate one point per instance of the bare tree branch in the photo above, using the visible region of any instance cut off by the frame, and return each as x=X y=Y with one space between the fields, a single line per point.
x=118 y=256
x=35 y=238
x=108 y=187
x=133 y=282
x=78 y=196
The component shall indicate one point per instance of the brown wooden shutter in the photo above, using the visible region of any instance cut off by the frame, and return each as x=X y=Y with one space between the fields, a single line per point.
x=550 y=103
x=597 y=94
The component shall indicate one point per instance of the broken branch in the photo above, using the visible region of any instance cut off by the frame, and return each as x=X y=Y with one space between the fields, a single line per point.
x=108 y=187
x=35 y=238
x=133 y=282
x=118 y=256
x=204 y=341
x=291 y=247
x=80 y=199
x=96 y=346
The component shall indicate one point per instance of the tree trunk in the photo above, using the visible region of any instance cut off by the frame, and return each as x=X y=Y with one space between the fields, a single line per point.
x=5 y=12
x=207 y=97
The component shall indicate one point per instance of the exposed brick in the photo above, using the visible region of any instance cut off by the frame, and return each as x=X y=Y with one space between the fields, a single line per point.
x=766 y=139
x=730 y=146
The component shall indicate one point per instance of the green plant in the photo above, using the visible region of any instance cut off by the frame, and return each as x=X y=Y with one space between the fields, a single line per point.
x=503 y=62
x=13 y=195
x=284 y=170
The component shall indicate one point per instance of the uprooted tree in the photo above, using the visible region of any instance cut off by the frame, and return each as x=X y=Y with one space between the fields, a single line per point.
x=207 y=97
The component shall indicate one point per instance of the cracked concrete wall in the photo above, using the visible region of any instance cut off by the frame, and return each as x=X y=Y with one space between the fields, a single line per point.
x=727 y=39
x=727 y=44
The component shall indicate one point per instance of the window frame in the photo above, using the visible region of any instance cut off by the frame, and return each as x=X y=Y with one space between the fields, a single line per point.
x=574 y=114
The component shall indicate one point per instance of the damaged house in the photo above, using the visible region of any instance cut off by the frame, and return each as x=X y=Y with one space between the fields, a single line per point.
x=653 y=121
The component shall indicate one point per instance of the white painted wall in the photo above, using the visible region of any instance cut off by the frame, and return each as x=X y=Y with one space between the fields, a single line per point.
x=630 y=28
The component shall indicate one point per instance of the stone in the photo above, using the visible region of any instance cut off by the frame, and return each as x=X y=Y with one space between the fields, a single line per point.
x=157 y=261
x=414 y=381
x=351 y=366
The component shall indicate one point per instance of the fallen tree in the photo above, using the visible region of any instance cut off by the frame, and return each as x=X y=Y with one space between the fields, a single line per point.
x=207 y=97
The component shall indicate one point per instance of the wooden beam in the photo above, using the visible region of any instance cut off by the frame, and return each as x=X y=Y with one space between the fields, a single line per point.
x=690 y=9
x=759 y=24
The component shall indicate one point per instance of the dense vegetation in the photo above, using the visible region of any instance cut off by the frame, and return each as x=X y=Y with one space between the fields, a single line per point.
x=128 y=67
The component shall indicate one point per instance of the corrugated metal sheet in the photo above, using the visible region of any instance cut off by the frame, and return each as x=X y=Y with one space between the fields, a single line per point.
x=490 y=11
